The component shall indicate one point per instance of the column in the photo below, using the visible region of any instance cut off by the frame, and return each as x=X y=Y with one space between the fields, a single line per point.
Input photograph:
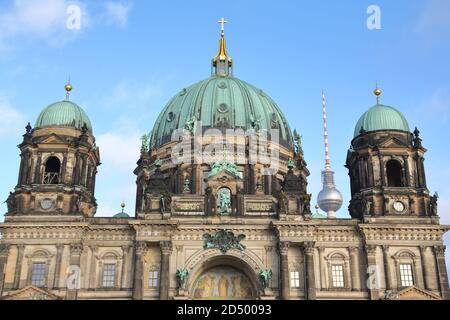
x=407 y=172
x=21 y=169
x=387 y=268
x=370 y=170
x=418 y=273
x=323 y=280
x=439 y=252
x=125 y=250
x=194 y=178
x=138 y=285
x=419 y=171
x=4 y=251
x=57 y=275
x=37 y=169
x=75 y=258
x=18 y=266
x=283 y=248
x=382 y=170
x=308 y=248
x=348 y=276
x=422 y=170
x=426 y=280
x=354 y=266
x=83 y=171
x=251 y=179
x=77 y=168
x=166 y=251
x=92 y=271
x=374 y=275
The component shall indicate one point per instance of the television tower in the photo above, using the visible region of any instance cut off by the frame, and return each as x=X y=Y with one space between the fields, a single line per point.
x=329 y=198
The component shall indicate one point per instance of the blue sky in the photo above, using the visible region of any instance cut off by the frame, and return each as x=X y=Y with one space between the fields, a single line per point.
x=129 y=57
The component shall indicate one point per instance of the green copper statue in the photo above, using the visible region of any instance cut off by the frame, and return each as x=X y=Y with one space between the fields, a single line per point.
x=265 y=276
x=182 y=275
x=224 y=201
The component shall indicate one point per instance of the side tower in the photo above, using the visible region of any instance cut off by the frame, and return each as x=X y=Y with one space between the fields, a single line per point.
x=386 y=167
x=59 y=160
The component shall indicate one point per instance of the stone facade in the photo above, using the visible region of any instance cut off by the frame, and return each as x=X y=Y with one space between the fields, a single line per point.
x=176 y=228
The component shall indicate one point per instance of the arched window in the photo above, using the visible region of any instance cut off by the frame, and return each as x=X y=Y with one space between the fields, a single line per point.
x=394 y=173
x=51 y=173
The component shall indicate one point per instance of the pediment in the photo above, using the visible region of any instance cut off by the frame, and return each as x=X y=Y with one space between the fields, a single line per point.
x=415 y=293
x=31 y=293
x=392 y=142
x=224 y=175
x=54 y=138
x=227 y=169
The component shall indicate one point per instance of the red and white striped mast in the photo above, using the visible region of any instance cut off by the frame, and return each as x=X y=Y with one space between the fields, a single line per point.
x=329 y=198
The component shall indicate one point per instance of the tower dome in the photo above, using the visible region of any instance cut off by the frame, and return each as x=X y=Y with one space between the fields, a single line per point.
x=64 y=113
x=381 y=117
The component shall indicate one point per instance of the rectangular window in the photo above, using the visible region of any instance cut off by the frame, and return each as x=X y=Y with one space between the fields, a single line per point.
x=38 y=274
x=153 y=279
x=109 y=275
x=337 y=275
x=406 y=276
x=295 y=279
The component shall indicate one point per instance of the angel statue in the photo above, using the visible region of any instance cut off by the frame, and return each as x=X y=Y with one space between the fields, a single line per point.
x=255 y=123
x=190 y=124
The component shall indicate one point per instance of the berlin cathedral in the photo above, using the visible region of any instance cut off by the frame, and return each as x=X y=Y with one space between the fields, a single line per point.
x=214 y=221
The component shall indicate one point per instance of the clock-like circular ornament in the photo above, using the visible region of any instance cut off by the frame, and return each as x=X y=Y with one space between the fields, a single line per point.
x=46 y=203
x=399 y=206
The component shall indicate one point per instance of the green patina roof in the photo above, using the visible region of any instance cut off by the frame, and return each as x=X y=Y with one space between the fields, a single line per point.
x=63 y=113
x=121 y=215
x=217 y=98
x=381 y=117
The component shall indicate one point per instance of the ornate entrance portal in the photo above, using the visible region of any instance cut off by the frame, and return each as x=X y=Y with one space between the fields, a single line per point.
x=225 y=283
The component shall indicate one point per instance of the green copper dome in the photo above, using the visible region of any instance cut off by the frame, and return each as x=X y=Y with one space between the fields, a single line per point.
x=121 y=215
x=381 y=117
x=63 y=113
x=221 y=102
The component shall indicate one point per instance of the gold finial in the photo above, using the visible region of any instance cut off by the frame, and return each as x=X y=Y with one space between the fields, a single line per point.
x=222 y=53
x=122 y=205
x=68 y=88
x=377 y=92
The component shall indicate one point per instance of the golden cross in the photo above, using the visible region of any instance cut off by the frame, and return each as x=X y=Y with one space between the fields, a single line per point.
x=222 y=23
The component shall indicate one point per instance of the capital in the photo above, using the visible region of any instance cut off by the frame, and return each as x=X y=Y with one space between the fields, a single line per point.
x=166 y=247
x=308 y=246
x=76 y=249
x=283 y=247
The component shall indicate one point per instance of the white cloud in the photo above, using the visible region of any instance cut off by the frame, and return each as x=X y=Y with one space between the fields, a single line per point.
x=117 y=13
x=119 y=151
x=11 y=120
x=49 y=19
x=38 y=19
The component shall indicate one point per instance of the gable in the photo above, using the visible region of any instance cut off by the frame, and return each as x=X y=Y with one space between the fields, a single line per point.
x=392 y=142
x=31 y=293
x=415 y=293
x=54 y=138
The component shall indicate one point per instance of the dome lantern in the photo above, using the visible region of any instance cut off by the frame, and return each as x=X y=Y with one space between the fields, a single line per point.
x=222 y=62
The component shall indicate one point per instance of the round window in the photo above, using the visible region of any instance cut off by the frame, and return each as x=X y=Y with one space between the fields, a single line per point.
x=223 y=107
x=170 y=116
